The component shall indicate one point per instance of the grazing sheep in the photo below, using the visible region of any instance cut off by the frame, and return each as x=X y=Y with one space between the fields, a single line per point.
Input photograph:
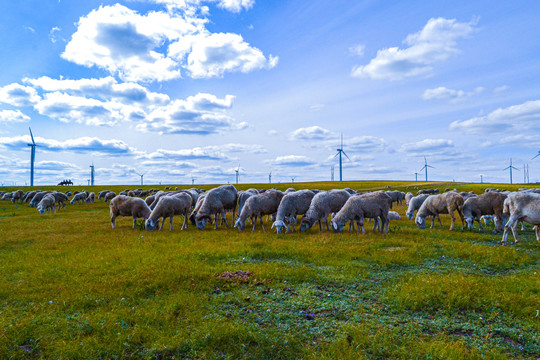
x=68 y=193
x=488 y=203
x=428 y=191
x=149 y=200
x=91 y=198
x=29 y=195
x=17 y=196
x=258 y=205
x=196 y=209
x=123 y=205
x=321 y=206
x=167 y=207
x=521 y=206
x=397 y=196
x=80 y=197
x=467 y=195
x=101 y=195
x=37 y=198
x=216 y=202
x=109 y=196
x=243 y=196
x=7 y=196
x=47 y=203
x=408 y=197
x=445 y=203
x=60 y=199
x=415 y=203
x=292 y=205
x=372 y=205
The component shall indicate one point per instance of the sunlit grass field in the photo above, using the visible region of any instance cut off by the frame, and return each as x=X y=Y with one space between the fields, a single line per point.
x=71 y=287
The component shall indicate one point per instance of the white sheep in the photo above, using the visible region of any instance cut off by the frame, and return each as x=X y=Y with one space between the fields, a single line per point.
x=80 y=197
x=521 y=206
x=415 y=203
x=445 y=203
x=258 y=205
x=216 y=202
x=47 y=203
x=372 y=205
x=167 y=207
x=321 y=206
x=123 y=205
x=291 y=205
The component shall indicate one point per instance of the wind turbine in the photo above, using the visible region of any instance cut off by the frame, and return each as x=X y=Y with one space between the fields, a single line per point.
x=416 y=176
x=32 y=157
x=339 y=152
x=511 y=167
x=237 y=171
x=92 y=174
x=537 y=155
x=292 y=178
x=192 y=180
x=270 y=178
x=141 y=175
x=425 y=167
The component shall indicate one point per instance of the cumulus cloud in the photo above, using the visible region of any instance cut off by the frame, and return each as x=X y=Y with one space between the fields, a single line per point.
x=517 y=118
x=292 y=161
x=85 y=144
x=7 y=116
x=312 y=133
x=234 y=6
x=158 y=46
x=436 y=42
x=18 y=95
x=443 y=93
x=201 y=114
x=198 y=153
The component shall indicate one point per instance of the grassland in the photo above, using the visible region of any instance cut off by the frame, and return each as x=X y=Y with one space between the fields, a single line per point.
x=73 y=288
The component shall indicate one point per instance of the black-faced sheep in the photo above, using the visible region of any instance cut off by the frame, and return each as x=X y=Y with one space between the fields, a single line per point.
x=123 y=205
x=445 y=203
x=293 y=204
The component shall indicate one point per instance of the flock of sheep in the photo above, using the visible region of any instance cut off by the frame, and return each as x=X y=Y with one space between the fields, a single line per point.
x=345 y=205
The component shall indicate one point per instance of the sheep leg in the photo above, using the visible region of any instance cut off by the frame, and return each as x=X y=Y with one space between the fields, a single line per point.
x=362 y=226
x=134 y=222
x=216 y=217
x=326 y=223
x=170 y=222
x=537 y=231
x=262 y=224
x=453 y=220
x=254 y=221
x=113 y=221
x=385 y=224
x=511 y=224
x=162 y=223
x=225 y=219
x=320 y=225
x=432 y=222
x=357 y=226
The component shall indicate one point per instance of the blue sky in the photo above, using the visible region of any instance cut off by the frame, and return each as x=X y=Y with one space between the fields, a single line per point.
x=182 y=89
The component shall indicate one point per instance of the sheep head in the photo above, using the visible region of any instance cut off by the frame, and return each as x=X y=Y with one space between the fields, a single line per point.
x=201 y=221
x=279 y=225
x=421 y=222
x=240 y=225
x=305 y=224
x=410 y=215
x=337 y=227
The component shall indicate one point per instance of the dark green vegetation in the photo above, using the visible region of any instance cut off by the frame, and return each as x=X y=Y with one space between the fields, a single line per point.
x=72 y=287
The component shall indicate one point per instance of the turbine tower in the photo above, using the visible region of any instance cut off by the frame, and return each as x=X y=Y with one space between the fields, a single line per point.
x=270 y=178
x=92 y=174
x=192 y=180
x=425 y=167
x=511 y=167
x=339 y=152
x=237 y=171
x=32 y=157
x=141 y=175
x=416 y=176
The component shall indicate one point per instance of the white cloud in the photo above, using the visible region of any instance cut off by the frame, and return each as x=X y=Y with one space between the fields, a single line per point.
x=198 y=153
x=436 y=42
x=312 y=133
x=79 y=145
x=292 y=160
x=7 y=116
x=427 y=147
x=18 y=95
x=53 y=34
x=234 y=6
x=157 y=46
x=517 y=118
x=500 y=89
x=357 y=50
x=443 y=93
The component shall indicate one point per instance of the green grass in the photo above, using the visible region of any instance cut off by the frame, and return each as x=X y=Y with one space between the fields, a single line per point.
x=71 y=287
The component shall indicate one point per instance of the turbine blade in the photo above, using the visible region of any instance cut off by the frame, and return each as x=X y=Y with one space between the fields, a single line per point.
x=32 y=136
x=537 y=155
x=346 y=155
x=336 y=155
